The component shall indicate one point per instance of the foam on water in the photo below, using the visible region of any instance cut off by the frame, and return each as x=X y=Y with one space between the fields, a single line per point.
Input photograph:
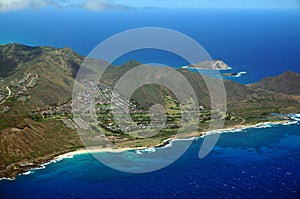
x=259 y=162
x=26 y=173
x=6 y=179
x=294 y=119
x=147 y=150
x=239 y=74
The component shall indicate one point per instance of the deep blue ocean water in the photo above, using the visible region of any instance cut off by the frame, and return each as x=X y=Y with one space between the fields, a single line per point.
x=260 y=42
x=251 y=163
x=254 y=163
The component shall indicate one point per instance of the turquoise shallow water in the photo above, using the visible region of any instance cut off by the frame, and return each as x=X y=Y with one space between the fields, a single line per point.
x=251 y=163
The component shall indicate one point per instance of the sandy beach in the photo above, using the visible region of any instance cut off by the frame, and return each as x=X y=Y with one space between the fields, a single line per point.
x=96 y=150
x=168 y=140
x=165 y=143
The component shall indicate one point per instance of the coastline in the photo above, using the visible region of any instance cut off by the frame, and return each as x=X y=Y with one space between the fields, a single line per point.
x=229 y=68
x=165 y=143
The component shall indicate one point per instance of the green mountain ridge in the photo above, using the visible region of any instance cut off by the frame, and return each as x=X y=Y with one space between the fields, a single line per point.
x=56 y=69
x=286 y=83
x=34 y=78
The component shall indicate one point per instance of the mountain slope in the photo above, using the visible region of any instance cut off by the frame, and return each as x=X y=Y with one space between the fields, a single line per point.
x=34 y=78
x=286 y=83
x=55 y=69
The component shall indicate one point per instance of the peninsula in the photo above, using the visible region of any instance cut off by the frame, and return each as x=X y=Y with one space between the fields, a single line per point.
x=37 y=125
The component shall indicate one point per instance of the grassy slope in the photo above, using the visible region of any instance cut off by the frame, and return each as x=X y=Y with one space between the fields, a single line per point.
x=23 y=139
x=246 y=101
x=286 y=83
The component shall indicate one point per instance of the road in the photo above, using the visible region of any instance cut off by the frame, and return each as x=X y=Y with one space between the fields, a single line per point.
x=9 y=94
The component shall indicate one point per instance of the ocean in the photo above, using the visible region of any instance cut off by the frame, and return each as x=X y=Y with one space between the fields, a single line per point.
x=251 y=163
x=261 y=162
x=259 y=42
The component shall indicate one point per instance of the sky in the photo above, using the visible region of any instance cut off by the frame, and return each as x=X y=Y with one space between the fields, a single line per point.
x=99 y=5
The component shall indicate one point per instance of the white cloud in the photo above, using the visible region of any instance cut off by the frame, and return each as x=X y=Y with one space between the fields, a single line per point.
x=97 y=5
x=9 y=5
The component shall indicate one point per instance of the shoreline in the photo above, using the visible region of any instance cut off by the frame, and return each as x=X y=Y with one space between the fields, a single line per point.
x=164 y=143
x=206 y=69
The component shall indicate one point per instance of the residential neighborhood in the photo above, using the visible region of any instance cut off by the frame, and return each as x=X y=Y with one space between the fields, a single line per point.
x=17 y=89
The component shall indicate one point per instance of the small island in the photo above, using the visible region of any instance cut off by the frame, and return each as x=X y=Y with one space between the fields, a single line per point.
x=210 y=65
x=235 y=74
x=37 y=124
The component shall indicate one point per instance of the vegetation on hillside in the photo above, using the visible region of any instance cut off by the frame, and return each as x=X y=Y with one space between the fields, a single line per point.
x=35 y=101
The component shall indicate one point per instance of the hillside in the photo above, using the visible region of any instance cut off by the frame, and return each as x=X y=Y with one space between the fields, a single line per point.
x=286 y=83
x=55 y=70
x=246 y=101
x=32 y=79
x=36 y=89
